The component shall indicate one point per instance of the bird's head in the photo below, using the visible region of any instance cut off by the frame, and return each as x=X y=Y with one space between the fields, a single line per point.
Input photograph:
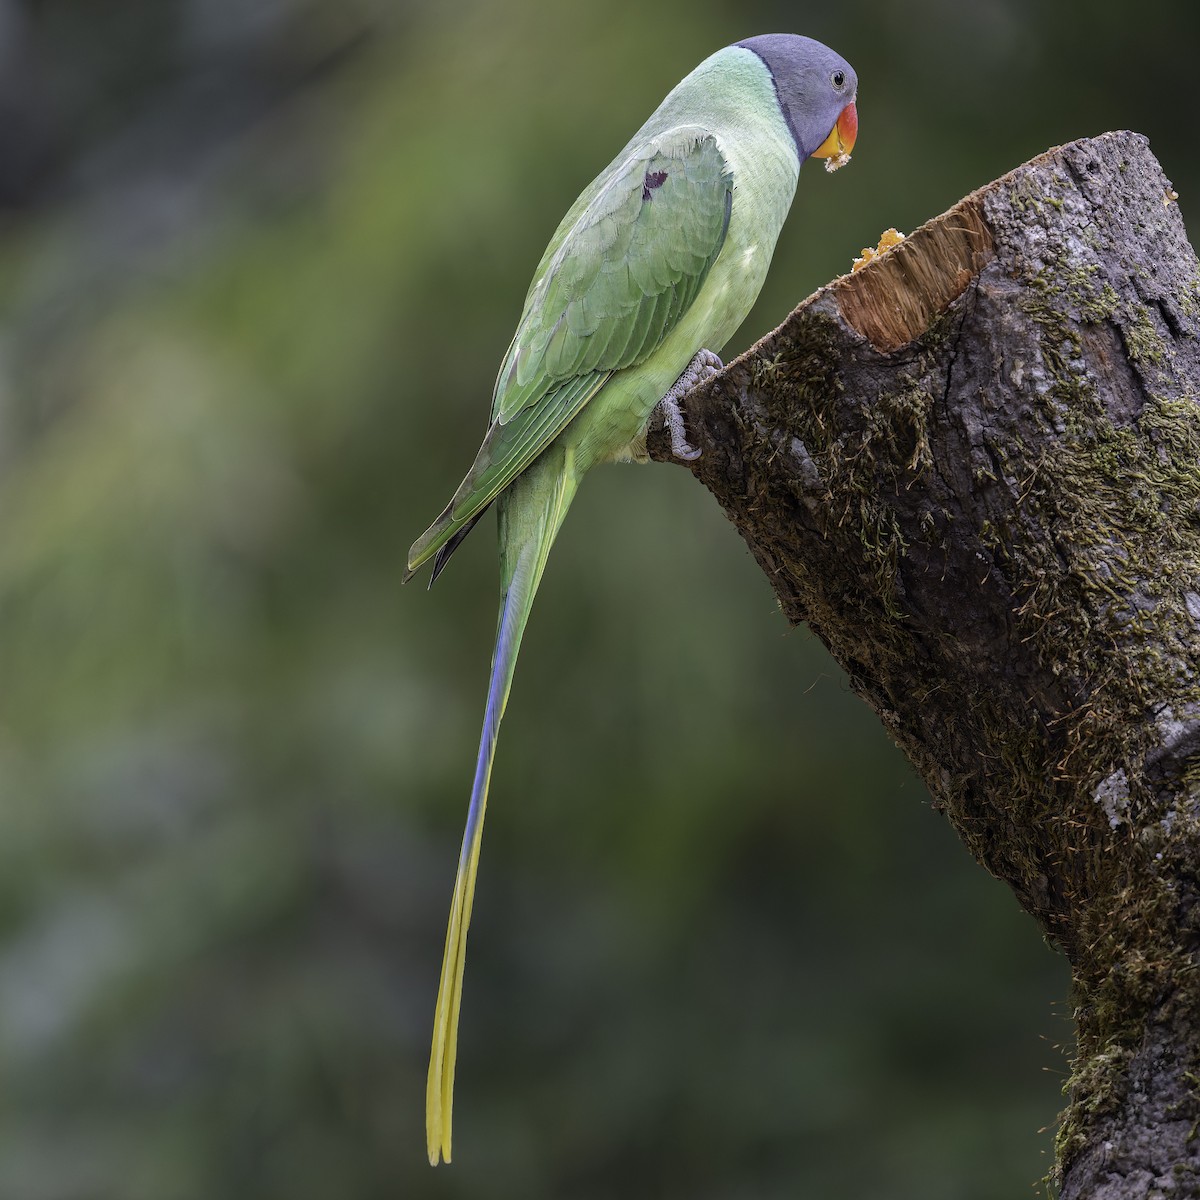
x=816 y=89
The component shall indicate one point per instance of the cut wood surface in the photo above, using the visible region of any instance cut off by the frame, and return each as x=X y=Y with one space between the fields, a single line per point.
x=973 y=469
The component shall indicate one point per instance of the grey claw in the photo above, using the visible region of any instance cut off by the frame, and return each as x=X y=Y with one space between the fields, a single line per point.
x=703 y=367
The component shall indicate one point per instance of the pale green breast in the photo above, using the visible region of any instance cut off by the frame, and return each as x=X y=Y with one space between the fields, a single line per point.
x=732 y=95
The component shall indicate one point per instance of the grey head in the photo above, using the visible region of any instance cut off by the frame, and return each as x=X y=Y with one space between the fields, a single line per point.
x=813 y=83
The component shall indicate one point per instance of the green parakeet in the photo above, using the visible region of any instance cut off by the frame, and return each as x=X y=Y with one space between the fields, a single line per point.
x=652 y=269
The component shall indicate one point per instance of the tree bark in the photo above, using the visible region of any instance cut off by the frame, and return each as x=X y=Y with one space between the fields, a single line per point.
x=973 y=468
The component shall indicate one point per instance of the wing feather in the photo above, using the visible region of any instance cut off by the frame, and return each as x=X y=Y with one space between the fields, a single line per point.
x=623 y=268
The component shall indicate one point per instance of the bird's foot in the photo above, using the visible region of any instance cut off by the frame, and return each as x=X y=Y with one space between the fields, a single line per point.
x=703 y=367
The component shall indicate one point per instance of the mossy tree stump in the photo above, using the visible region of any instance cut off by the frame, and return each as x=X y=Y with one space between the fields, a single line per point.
x=973 y=468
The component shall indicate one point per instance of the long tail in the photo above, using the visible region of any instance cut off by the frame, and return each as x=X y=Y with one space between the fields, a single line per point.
x=530 y=515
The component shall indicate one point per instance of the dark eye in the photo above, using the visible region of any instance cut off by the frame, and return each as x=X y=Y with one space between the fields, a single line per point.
x=838 y=79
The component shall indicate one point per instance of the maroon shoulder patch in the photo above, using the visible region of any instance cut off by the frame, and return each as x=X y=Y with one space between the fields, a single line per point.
x=654 y=179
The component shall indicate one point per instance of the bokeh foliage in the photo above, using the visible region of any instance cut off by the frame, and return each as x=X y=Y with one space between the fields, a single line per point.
x=257 y=266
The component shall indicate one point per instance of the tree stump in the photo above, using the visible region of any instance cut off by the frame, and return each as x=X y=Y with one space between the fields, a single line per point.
x=973 y=468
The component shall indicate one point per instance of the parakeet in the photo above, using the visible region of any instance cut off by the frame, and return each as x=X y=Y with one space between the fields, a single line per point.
x=652 y=269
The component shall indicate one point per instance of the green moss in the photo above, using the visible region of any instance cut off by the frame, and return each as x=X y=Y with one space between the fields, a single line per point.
x=890 y=442
x=1189 y=297
x=763 y=369
x=901 y=419
x=1099 y=306
x=1142 y=339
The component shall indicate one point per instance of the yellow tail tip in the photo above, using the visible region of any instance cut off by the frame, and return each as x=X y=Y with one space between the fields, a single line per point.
x=438 y=1102
x=437 y=1128
x=439 y=1085
x=437 y=1133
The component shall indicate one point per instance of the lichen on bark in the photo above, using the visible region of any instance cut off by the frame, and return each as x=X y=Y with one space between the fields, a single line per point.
x=974 y=469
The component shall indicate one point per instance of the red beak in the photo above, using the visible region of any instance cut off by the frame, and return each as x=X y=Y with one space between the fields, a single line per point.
x=842 y=136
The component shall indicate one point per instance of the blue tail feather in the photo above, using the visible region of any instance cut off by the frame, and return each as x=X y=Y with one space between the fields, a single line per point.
x=530 y=517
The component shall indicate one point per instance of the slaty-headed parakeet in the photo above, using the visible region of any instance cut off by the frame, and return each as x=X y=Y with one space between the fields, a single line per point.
x=652 y=269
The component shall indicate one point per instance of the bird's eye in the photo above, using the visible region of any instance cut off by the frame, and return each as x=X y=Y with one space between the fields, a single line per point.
x=838 y=79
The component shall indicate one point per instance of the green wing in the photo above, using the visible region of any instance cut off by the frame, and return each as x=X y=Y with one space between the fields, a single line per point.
x=625 y=265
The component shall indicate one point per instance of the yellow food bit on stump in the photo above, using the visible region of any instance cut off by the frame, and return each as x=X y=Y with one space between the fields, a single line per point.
x=888 y=239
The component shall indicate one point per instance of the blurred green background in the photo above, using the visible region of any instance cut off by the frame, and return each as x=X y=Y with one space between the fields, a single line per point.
x=258 y=263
